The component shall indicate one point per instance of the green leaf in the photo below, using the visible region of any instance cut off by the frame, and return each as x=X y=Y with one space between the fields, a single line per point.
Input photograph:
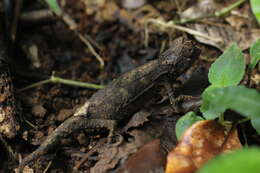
x=255 y=5
x=238 y=98
x=241 y=161
x=255 y=53
x=53 y=4
x=209 y=110
x=184 y=122
x=229 y=68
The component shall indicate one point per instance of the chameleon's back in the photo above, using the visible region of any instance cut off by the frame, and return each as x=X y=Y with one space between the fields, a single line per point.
x=118 y=99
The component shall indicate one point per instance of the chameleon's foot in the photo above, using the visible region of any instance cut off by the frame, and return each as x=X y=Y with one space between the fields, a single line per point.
x=184 y=103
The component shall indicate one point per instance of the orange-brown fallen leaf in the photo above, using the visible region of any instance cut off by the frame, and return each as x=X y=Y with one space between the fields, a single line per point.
x=149 y=158
x=201 y=142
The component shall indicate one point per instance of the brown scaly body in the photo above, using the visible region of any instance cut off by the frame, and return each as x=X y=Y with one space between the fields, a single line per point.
x=117 y=102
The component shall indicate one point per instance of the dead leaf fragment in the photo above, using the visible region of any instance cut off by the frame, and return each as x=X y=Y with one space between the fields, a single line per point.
x=132 y=4
x=243 y=37
x=200 y=143
x=26 y=169
x=149 y=158
x=110 y=156
x=256 y=79
x=202 y=8
x=138 y=119
x=38 y=111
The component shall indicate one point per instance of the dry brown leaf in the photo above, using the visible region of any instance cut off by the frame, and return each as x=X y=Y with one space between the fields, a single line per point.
x=243 y=37
x=132 y=4
x=149 y=158
x=241 y=17
x=202 y=8
x=107 y=12
x=38 y=111
x=109 y=156
x=200 y=143
x=235 y=32
x=138 y=119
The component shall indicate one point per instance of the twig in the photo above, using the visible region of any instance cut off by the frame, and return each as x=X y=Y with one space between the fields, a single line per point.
x=93 y=42
x=229 y=8
x=54 y=79
x=95 y=148
x=74 y=27
x=47 y=167
x=31 y=125
x=35 y=85
x=171 y=24
x=92 y=50
x=219 y=13
x=88 y=154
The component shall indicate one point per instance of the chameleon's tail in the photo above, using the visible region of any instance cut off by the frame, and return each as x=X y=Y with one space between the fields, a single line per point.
x=70 y=125
x=64 y=129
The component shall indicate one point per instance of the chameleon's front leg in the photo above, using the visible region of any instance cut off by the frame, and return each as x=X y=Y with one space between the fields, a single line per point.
x=70 y=125
x=176 y=101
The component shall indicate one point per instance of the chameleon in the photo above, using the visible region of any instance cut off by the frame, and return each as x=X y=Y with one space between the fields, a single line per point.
x=116 y=103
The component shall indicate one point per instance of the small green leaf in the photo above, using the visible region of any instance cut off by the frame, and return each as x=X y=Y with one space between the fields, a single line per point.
x=241 y=161
x=255 y=53
x=255 y=5
x=53 y=4
x=184 y=122
x=209 y=110
x=238 y=98
x=229 y=68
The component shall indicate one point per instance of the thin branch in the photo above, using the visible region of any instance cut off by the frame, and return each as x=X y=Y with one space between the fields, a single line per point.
x=171 y=24
x=74 y=27
x=47 y=167
x=75 y=83
x=229 y=8
x=54 y=79
x=92 y=50
x=219 y=13
x=35 y=85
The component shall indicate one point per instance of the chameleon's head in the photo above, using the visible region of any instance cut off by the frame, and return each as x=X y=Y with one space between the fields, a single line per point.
x=180 y=56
